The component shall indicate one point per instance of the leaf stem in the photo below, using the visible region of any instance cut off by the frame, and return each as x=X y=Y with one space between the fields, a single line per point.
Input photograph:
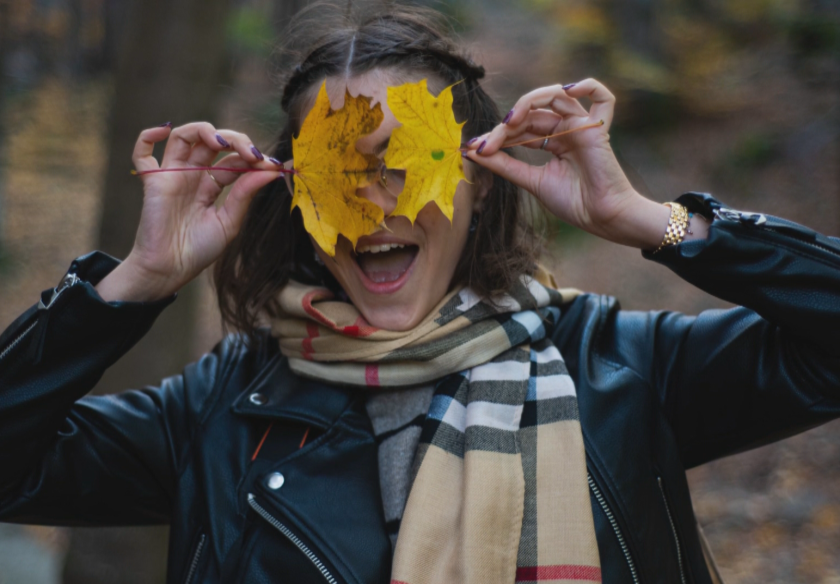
x=225 y=168
x=597 y=124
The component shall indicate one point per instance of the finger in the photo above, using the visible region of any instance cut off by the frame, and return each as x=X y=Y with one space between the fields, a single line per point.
x=553 y=97
x=202 y=154
x=227 y=177
x=143 y=156
x=183 y=138
x=242 y=145
x=531 y=133
x=535 y=122
x=214 y=181
x=233 y=210
x=556 y=145
x=603 y=101
x=516 y=171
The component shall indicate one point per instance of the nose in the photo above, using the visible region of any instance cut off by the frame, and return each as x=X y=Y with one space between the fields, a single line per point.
x=377 y=194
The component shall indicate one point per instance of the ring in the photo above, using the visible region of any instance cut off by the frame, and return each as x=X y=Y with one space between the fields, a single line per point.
x=213 y=178
x=544 y=144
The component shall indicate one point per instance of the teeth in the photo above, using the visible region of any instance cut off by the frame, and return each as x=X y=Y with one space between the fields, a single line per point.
x=378 y=248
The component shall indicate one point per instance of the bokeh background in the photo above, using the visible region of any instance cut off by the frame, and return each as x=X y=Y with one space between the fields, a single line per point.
x=738 y=98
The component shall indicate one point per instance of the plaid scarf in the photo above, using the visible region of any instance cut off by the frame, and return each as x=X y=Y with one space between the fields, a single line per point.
x=500 y=492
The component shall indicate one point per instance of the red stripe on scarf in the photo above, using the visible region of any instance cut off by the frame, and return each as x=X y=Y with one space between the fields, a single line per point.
x=360 y=328
x=312 y=331
x=314 y=296
x=372 y=375
x=559 y=572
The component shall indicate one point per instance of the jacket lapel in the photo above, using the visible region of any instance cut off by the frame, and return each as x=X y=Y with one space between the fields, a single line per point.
x=277 y=393
x=330 y=497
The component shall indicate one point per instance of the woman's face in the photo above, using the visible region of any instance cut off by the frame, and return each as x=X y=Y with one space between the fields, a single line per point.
x=396 y=276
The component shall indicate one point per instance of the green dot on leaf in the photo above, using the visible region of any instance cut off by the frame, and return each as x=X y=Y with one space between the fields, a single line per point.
x=437 y=154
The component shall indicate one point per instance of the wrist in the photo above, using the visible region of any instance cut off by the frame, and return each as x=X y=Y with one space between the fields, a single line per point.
x=639 y=222
x=643 y=223
x=131 y=282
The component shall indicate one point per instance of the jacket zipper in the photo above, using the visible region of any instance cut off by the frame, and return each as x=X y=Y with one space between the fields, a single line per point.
x=69 y=280
x=760 y=220
x=196 y=557
x=252 y=501
x=17 y=340
x=673 y=530
x=621 y=542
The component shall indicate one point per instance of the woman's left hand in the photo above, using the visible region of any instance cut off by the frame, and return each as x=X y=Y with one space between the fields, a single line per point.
x=583 y=183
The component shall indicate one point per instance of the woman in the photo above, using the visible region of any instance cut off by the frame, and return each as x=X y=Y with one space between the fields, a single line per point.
x=549 y=431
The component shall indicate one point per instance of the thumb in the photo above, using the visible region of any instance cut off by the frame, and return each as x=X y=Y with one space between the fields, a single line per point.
x=233 y=210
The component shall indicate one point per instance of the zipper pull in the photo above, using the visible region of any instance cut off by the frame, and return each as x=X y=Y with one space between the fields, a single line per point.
x=36 y=342
x=725 y=214
x=71 y=279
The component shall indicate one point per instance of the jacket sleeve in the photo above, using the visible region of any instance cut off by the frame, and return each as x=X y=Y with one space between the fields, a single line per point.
x=66 y=459
x=731 y=380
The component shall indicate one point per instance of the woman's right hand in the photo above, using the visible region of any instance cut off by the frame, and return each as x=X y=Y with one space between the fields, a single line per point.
x=181 y=230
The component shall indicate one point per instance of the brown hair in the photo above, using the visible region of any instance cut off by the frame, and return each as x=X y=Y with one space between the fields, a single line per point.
x=273 y=247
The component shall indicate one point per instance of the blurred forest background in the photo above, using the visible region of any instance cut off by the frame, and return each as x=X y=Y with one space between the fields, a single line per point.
x=738 y=98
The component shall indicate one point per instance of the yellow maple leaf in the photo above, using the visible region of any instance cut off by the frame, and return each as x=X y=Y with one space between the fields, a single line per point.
x=329 y=169
x=427 y=146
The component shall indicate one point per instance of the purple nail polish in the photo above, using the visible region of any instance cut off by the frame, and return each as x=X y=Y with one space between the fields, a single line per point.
x=569 y=86
x=481 y=147
x=165 y=125
x=257 y=153
x=508 y=117
x=464 y=154
x=222 y=141
x=274 y=161
x=472 y=141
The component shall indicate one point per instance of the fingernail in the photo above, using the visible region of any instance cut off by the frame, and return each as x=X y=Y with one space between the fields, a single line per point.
x=508 y=117
x=481 y=147
x=257 y=153
x=464 y=154
x=569 y=86
x=222 y=141
x=274 y=161
x=165 y=125
x=472 y=141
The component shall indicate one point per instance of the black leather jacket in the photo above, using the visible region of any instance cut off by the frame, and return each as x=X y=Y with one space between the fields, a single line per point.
x=658 y=392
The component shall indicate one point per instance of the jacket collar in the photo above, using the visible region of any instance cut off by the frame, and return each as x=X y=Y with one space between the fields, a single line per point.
x=278 y=393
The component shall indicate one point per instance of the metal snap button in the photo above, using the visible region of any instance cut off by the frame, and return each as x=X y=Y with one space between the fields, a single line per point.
x=276 y=480
x=258 y=399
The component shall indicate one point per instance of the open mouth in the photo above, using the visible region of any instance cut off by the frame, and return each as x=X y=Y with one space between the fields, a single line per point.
x=387 y=262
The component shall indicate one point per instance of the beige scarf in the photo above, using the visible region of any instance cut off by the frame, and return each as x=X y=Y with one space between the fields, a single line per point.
x=500 y=492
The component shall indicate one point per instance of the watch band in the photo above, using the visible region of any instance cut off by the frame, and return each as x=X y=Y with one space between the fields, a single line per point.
x=677 y=225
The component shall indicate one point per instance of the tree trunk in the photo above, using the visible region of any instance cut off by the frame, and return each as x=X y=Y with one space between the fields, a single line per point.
x=171 y=68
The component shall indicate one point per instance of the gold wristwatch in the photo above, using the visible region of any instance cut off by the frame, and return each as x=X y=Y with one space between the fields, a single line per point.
x=678 y=226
